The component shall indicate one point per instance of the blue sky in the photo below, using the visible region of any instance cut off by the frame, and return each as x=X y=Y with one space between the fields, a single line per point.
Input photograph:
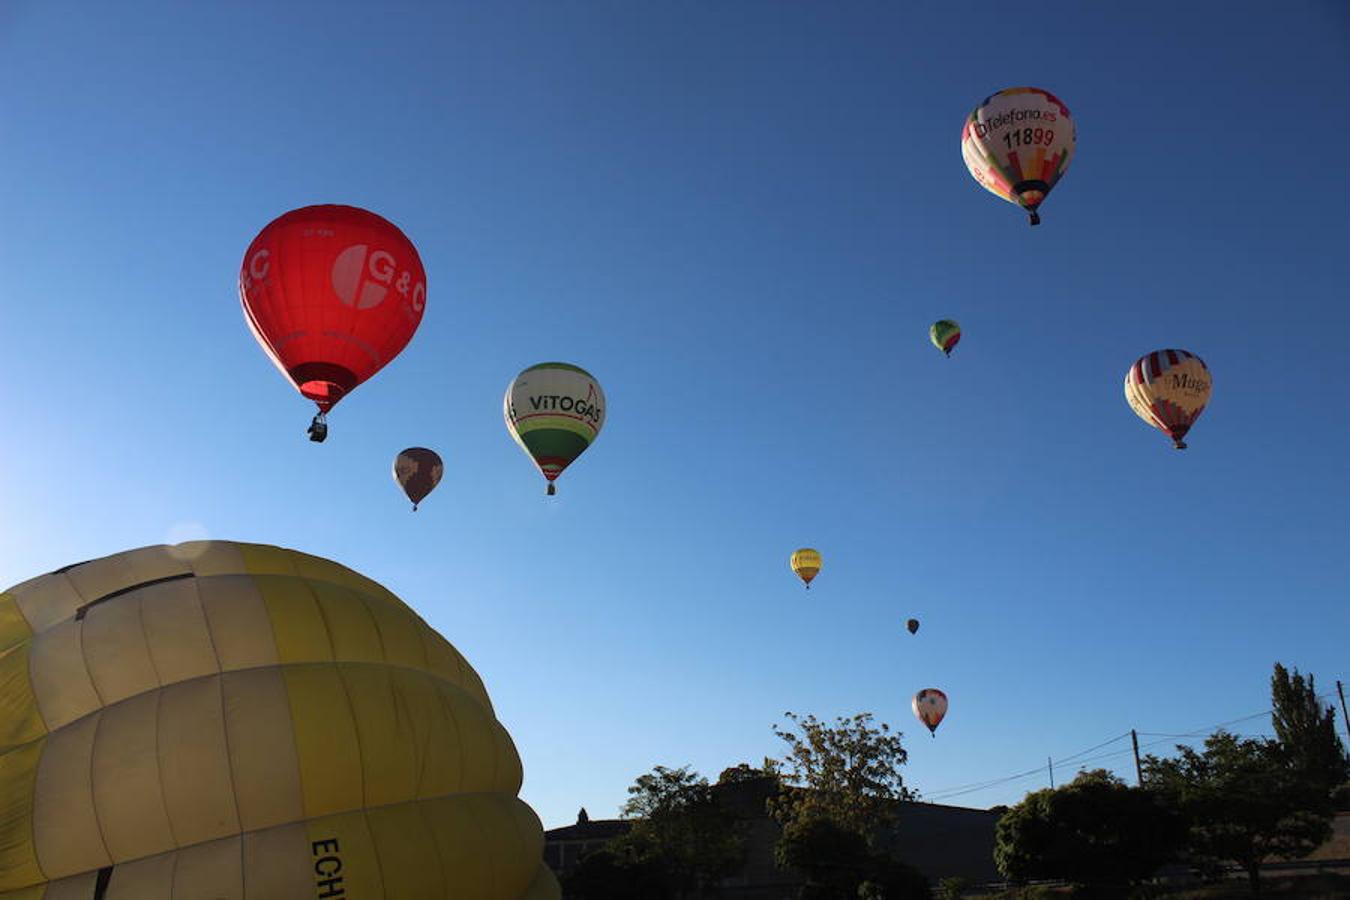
x=741 y=217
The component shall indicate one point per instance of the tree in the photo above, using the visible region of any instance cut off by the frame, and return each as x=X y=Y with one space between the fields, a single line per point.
x=615 y=873
x=679 y=825
x=1242 y=801
x=1094 y=831
x=832 y=859
x=837 y=864
x=1307 y=730
x=849 y=773
x=743 y=772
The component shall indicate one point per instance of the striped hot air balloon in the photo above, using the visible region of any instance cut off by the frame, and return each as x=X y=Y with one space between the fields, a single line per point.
x=1168 y=389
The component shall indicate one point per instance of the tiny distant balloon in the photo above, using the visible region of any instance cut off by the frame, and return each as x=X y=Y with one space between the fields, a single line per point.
x=945 y=335
x=806 y=564
x=913 y=626
x=418 y=470
x=1169 y=389
x=1017 y=144
x=930 y=705
x=554 y=411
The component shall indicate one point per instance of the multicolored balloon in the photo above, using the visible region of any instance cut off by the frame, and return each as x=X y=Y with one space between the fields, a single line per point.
x=1168 y=389
x=332 y=293
x=1018 y=143
x=945 y=335
x=554 y=411
x=218 y=719
x=418 y=470
x=913 y=626
x=806 y=564
x=930 y=705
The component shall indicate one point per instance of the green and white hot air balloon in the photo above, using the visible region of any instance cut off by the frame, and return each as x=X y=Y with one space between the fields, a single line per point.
x=554 y=411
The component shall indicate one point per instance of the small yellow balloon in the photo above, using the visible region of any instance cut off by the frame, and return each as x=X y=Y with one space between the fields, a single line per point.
x=806 y=563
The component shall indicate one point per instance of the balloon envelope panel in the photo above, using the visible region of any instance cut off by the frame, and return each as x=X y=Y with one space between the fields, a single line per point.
x=241 y=722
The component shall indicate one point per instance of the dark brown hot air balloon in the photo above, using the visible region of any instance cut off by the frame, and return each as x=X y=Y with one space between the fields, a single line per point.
x=913 y=626
x=418 y=470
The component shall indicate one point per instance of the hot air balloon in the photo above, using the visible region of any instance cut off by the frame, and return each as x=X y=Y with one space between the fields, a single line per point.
x=930 y=705
x=418 y=470
x=1168 y=389
x=1018 y=143
x=913 y=626
x=945 y=335
x=806 y=563
x=179 y=722
x=332 y=293
x=554 y=411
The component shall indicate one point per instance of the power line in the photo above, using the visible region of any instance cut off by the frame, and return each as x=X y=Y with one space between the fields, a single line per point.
x=1163 y=738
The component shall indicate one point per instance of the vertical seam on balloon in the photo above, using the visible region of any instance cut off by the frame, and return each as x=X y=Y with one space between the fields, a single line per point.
x=346 y=692
x=436 y=845
x=374 y=845
x=224 y=718
x=423 y=754
x=159 y=770
x=32 y=684
x=229 y=764
x=93 y=792
x=173 y=870
x=450 y=716
x=375 y=623
x=518 y=824
x=145 y=639
x=89 y=672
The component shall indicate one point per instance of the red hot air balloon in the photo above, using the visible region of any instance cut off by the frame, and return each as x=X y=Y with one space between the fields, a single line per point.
x=332 y=293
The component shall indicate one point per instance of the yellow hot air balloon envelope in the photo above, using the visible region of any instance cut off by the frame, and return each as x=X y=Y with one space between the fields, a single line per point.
x=241 y=722
x=1169 y=389
x=806 y=563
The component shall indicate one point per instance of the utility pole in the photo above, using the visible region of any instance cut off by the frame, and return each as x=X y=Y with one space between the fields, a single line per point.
x=1345 y=720
x=1051 y=764
x=1138 y=769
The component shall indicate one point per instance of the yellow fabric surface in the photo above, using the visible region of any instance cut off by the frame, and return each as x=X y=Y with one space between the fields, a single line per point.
x=18 y=855
x=213 y=730
x=13 y=626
